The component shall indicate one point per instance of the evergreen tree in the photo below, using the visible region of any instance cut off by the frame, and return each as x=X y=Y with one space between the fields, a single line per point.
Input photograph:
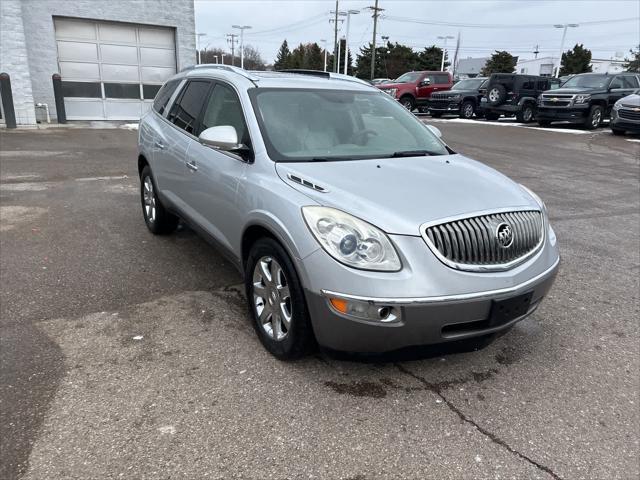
x=431 y=59
x=575 y=61
x=283 y=58
x=500 y=62
x=633 y=65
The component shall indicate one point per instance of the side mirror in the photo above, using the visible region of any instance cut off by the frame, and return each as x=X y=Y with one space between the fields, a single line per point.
x=435 y=130
x=425 y=82
x=223 y=137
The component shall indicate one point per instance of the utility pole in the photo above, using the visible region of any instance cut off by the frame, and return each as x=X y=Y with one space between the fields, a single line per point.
x=564 y=36
x=375 y=16
x=335 y=38
x=444 y=50
x=324 y=42
x=198 y=35
x=346 y=38
x=536 y=51
x=231 y=40
x=242 y=28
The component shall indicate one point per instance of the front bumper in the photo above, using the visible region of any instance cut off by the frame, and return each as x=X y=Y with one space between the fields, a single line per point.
x=626 y=124
x=442 y=106
x=576 y=114
x=435 y=303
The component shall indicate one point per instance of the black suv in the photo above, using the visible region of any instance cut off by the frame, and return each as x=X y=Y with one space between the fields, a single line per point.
x=463 y=99
x=510 y=94
x=586 y=98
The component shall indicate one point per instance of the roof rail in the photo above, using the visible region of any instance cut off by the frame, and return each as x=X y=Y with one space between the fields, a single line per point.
x=327 y=75
x=228 y=68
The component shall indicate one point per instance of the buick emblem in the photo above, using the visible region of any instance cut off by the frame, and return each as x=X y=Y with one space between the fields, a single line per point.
x=554 y=99
x=504 y=234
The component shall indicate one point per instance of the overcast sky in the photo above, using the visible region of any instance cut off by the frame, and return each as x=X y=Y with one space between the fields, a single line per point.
x=513 y=25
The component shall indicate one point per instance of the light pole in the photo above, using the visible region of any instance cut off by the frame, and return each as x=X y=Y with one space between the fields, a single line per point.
x=564 y=35
x=216 y=57
x=222 y=60
x=324 y=42
x=385 y=39
x=198 y=35
x=346 y=38
x=242 y=28
x=444 y=50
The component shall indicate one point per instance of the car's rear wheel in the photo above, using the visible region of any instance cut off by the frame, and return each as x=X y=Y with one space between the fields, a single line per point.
x=408 y=102
x=276 y=301
x=467 y=109
x=158 y=219
x=594 y=119
x=526 y=114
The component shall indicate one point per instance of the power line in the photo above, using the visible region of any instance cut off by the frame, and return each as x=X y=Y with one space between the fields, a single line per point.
x=305 y=22
x=499 y=25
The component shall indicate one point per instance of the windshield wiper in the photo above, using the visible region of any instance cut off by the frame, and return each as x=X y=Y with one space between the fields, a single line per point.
x=414 y=153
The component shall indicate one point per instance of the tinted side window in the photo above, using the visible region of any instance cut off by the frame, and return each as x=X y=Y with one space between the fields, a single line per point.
x=184 y=112
x=624 y=81
x=224 y=108
x=528 y=84
x=164 y=95
x=441 y=78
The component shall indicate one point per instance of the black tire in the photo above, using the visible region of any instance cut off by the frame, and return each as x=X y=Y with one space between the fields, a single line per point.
x=299 y=338
x=526 y=114
x=436 y=114
x=544 y=123
x=496 y=94
x=423 y=110
x=158 y=219
x=594 y=119
x=408 y=102
x=492 y=116
x=467 y=109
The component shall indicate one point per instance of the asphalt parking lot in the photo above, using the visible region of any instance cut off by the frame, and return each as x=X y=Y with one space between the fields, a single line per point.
x=125 y=355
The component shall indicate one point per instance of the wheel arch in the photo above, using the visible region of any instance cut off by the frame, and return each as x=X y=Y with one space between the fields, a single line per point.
x=142 y=162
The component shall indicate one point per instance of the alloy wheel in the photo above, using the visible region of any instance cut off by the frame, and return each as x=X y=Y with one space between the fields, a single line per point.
x=493 y=95
x=596 y=119
x=272 y=298
x=468 y=111
x=149 y=199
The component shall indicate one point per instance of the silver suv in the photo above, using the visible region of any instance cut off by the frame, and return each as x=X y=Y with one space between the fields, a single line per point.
x=353 y=224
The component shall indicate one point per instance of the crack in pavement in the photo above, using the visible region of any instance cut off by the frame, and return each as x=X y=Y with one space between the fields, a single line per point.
x=437 y=389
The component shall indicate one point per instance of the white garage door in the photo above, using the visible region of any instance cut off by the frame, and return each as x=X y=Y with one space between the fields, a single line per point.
x=112 y=71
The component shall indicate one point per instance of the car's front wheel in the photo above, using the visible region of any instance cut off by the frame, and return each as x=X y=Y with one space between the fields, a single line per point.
x=525 y=115
x=467 y=110
x=276 y=301
x=408 y=102
x=156 y=216
x=594 y=119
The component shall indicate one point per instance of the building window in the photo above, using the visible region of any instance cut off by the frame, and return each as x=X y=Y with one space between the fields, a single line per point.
x=82 y=89
x=122 y=90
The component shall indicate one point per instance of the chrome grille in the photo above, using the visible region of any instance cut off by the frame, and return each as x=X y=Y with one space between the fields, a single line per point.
x=628 y=114
x=472 y=243
x=560 y=100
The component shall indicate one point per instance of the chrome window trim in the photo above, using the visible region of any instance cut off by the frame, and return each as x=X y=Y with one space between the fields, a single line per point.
x=498 y=267
x=461 y=297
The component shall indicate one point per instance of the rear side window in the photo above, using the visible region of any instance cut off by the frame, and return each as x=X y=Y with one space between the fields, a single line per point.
x=185 y=110
x=528 y=84
x=163 y=96
x=441 y=78
x=624 y=81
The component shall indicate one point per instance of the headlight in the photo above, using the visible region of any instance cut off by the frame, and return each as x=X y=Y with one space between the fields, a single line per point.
x=617 y=105
x=392 y=92
x=539 y=201
x=350 y=240
x=582 y=98
x=455 y=97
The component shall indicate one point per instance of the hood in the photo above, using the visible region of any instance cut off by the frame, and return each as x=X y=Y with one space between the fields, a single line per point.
x=400 y=194
x=453 y=93
x=387 y=86
x=571 y=91
x=633 y=100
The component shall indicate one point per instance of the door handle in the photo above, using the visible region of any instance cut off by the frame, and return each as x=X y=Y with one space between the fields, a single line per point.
x=160 y=145
x=191 y=166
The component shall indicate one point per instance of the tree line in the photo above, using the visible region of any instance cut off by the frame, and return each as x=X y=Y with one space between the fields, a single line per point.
x=394 y=59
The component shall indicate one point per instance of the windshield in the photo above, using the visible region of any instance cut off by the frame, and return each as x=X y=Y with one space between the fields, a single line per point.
x=469 y=84
x=324 y=125
x=408 y=77
x=588 y=81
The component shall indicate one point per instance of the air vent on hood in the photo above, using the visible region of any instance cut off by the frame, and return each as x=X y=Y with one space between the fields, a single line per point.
x=307 y=183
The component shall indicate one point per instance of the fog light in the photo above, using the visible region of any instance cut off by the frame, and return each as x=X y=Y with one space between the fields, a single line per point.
x=365 y=310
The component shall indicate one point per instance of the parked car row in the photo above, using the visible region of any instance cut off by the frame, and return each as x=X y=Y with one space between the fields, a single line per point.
x=585 y=99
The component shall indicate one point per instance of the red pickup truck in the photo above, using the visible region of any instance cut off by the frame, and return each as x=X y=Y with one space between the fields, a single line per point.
x=413 y=89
